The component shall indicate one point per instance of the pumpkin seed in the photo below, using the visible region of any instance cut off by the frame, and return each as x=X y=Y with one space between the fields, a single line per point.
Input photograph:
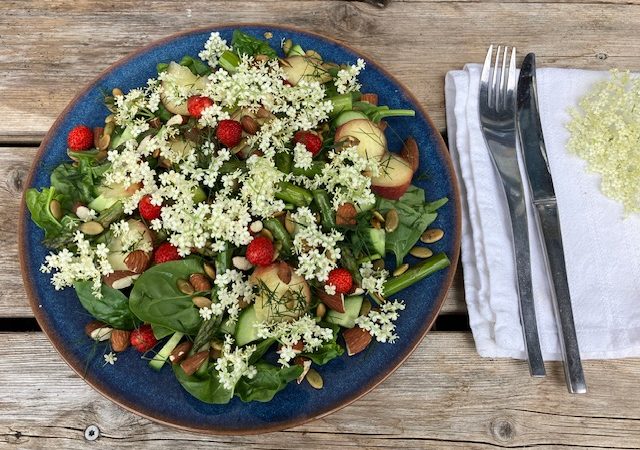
x=110 y=119
x=185 y=287
x=286 y=46
x=401 y=269
x=209 y=270
x=266 y=233
x=379 y=297
x=314 y=379
x=393 y=220
x=420 y=252
x=104 y=141
x=278 y=214
x=91 y=228
x=261 y=57
x=108 y=128
x=56 y=209
x=375 y=223
x=116 y=92
x=378 y=216
x=321 y=310
x=378 y=264
x=432 y=235
x=201 y=302
x=365 y=308
x=289 y=224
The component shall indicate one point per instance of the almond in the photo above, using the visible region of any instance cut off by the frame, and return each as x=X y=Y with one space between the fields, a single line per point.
x=98 y=331
x=201 y=302
x=382 y=125
x=249 y=125
x=82 y=212
x=193 y=363
x=92 y=228
x=98 y=132
x=370 y=98
x=200 y=282
x=335 y=301
x=306 y=365
x=119 y=340
x=137 y=261
x=185 y=287
x=180 y=352
x=56 y=209
x=356 y=340
x=209 y=270
x=346 y=215
x=120 y=279
x=410 y=153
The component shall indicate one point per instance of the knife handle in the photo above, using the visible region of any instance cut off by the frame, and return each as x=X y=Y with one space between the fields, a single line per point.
x=549 y=228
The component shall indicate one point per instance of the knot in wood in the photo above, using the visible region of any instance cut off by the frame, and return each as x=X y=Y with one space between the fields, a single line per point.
x=16 y=180
x=503 y=430
x=602 y=56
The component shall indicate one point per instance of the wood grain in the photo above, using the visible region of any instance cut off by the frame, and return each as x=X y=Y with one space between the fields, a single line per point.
x=48 y=50
x=444 y=396
x=16 y=162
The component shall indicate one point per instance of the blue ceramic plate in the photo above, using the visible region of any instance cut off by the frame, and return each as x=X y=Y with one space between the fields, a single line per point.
x=158 y=396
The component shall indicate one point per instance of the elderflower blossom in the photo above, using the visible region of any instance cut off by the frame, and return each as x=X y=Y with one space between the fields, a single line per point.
x=205 y=312
x=304 y=329
x=330 y=289
x=232 y=288
x=233 y=365
x=212 y=115
x=259 y=186
x=213 y=49
x=380 y=324
x=130 y=239
x=347 y=78
x=373 y=280
x=87 y=264
x=317 y=252
x=606 y=132
x=302 y=158
x=110 y=358
x=344 y=179
x=137 y=101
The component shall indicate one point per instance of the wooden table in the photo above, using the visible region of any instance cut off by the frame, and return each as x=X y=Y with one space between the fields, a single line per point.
x=445 y=396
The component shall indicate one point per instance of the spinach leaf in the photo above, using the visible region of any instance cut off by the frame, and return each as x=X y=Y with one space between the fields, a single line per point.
x=195 y=65
x=243 y=44
x=269 y=380
x=76 y=184
x=38 y=204
x=156 y=299
x=206 y=388
x=328 y=351
x=415 y=216
x=112 y=308
x=261 y=349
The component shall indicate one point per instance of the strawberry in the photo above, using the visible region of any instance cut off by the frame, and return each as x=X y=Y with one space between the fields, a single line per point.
x=229 y=133
x=196 y=104
x=80 y=138
x=165 y=252
x=148 y=211
x=142 y=338
x=310 y=140
x=341 y=279
x=260 y=251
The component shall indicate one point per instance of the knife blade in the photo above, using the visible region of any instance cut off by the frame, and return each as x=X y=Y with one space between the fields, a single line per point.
x=547 y=220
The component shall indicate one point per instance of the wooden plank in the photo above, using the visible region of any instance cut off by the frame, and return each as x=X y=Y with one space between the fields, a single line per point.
x=14 y=169
x=444 y=396
x=49 y=49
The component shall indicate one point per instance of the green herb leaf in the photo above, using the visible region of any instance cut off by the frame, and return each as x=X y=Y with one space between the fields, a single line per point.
x=77 y=184
x=261 y=348
x=328 y=351
x=156 y=299
x=269 y=380
x=38 y=204
x=112 y=308
x=195 y=65
x=205 y=387
x=243 y=44
x=415 y=216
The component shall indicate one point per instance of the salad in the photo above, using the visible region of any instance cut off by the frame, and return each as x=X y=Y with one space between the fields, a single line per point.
x=231 y=219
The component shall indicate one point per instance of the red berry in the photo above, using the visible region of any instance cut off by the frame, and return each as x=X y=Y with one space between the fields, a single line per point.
x=196 y=104
x=142 y=338
x=229 y=133
x=148 y=211
x=260 y=251
x=165 y=252
x=310 y=140
x=80 y=138
x=341 y=279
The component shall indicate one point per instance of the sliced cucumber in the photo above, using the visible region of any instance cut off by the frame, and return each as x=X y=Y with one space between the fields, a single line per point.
x=102 y=202
x=296 y=50
x=347 y=116
x=348 y=318
x=158 y=361
x=245 y=330
x=119 y=139
x=227 y=328
x=374 y=239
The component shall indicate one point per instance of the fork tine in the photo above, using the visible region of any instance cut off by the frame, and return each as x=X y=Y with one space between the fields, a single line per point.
x=493 y=97
x=511 y=79
x=484 y=77
x=502 y=97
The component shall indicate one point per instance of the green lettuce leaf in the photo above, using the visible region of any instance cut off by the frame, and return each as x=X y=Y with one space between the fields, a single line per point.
x=243 y=44
x=112 y=308
x=269 y=380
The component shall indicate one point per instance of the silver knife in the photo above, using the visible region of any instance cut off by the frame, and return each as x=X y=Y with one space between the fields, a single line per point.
x=546 y=212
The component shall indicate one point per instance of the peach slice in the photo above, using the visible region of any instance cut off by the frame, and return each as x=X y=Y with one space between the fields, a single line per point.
x=371 y=141
x=394 y=177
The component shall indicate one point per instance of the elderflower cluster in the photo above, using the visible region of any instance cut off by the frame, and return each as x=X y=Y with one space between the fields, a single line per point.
x=345 y=180
x=213 y=49
x=288 y=334
x=259 y=186
x=137 y=101
x=380 y=324
x=232 y=289
x=302 y=158
x=130 y=239
x=317 y=251
x=233 y=365
x=373 y=280
x=347 y=78
x=87 y=264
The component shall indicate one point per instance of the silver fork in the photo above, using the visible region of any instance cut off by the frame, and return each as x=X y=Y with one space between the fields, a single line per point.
x=498 y=121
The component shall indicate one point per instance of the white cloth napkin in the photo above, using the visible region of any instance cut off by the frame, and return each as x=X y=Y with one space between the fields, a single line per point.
x=602 y=247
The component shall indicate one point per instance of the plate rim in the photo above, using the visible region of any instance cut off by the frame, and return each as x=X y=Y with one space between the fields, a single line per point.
x=121 y=401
